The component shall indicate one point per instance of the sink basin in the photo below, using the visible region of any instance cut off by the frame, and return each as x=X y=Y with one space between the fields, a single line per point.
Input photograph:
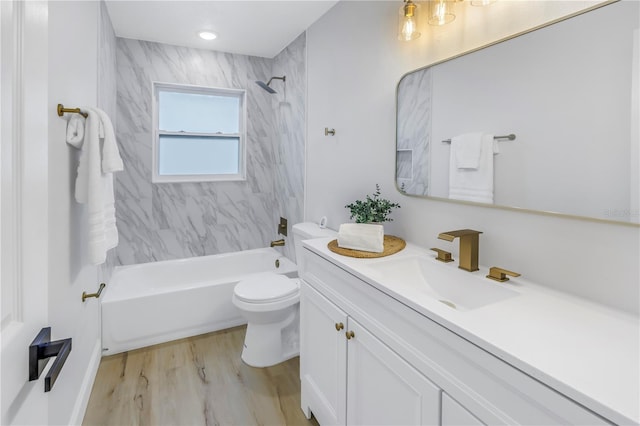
x=453 y=287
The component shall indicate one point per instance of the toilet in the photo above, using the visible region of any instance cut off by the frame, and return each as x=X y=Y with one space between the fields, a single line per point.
x=269 y=303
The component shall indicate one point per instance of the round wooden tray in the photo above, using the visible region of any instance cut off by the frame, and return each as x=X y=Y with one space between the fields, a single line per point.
x=392 y=245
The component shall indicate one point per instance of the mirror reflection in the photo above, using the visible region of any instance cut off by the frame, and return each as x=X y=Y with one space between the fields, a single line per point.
x=568 y=92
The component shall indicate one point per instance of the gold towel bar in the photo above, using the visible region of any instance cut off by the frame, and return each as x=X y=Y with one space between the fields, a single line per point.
x=62 y=110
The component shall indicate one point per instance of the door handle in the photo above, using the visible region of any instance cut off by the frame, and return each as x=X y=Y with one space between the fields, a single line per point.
x=40 y=350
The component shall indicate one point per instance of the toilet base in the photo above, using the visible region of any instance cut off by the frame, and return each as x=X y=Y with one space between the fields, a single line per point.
x=270 y=344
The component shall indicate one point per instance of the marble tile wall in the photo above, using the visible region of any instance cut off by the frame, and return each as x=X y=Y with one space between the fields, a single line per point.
x=178 y=220
x=414 y=132
x=289 y=114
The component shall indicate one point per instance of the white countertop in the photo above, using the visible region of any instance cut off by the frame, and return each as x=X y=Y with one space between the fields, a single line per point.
x=588 y=352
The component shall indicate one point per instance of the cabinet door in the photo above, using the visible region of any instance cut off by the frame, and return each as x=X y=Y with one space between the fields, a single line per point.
x=454 y=414
x=383 y=389
x=323 y=358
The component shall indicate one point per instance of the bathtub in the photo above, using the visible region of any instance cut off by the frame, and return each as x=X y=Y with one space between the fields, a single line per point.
x=157 y=302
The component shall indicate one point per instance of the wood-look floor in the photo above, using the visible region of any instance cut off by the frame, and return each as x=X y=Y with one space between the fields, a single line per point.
x=196 y=381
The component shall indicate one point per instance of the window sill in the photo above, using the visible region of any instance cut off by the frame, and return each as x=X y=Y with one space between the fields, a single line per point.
x=197 y=178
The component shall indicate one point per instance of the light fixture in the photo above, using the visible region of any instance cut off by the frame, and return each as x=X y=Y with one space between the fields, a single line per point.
x=408 y=21
x=441 y=12
x=207 y=35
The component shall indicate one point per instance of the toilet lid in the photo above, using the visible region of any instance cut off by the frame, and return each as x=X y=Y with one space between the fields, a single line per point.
x=267 y=287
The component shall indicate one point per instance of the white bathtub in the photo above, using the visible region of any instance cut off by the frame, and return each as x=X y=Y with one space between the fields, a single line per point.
x=157 y=302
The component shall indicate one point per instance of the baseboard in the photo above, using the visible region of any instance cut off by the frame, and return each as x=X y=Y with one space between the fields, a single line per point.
x=80 y=407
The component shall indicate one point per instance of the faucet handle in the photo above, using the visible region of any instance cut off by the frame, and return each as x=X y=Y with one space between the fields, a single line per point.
x=499 y=274
x=452 y=235
x=443 y=256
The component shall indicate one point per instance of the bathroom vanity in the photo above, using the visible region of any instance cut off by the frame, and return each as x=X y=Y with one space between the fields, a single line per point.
x=408 y=340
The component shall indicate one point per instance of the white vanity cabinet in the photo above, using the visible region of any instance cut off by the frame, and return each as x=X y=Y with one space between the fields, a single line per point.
x=383 y=389
x=454 y=414
x=401 y=367
x=350 y=377
x=323 y=358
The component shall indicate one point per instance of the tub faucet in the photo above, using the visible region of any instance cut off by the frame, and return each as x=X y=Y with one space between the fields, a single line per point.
x=469 y=247
x=277 y=243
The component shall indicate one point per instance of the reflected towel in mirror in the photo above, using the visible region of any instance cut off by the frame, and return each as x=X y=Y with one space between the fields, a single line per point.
x=473 y=184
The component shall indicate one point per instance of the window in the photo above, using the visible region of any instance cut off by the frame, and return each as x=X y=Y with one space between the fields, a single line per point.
x=199 y=133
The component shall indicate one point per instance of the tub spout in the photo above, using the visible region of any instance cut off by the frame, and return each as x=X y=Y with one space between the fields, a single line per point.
x=277 y=243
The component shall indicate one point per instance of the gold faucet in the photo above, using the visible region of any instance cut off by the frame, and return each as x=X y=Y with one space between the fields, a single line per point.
x=469 y=247
x=443 y=256
x=277 y=243
x=500 y=274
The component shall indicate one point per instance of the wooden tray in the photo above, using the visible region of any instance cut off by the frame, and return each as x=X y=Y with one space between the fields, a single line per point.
x=392 y=245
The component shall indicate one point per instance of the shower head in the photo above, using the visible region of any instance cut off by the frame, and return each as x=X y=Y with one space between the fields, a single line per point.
x=267 y=86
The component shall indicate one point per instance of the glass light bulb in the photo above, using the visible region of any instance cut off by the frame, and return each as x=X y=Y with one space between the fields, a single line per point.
x=408 y=29
x=408 y=21
x=441 y=12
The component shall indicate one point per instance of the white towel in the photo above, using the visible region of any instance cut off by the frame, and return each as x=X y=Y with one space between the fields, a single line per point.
x=466 y=150
x=361 y=236
x=94 y=183
x=111 y=160
x=75 y=130
x=474 y=184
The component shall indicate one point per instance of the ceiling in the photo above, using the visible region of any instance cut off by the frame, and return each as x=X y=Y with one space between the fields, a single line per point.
x=249 y=27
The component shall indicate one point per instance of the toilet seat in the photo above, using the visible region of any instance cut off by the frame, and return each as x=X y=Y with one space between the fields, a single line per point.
x=266 y=288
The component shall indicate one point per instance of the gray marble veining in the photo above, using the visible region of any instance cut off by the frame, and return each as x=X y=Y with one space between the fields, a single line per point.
x=177 y=220
x=414 y=132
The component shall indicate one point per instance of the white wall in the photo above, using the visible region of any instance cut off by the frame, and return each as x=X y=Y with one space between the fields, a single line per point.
x=354 y=64
x=73 y=62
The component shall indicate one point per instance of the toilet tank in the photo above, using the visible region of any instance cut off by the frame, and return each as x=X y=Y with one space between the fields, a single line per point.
x=306 y=231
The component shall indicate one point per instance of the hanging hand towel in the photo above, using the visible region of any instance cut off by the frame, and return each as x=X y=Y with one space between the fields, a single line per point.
x=361 y=236
x=466 y=150
x=75 y=130
x=111 y=160
x=94 y=183
x=473 y=184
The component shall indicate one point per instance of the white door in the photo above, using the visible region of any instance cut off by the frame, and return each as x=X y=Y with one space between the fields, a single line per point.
x=323 y=358
x=383 y=388
x=23 y=205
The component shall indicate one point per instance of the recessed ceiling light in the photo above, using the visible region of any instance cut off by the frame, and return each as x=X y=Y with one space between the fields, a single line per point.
x=207 y=35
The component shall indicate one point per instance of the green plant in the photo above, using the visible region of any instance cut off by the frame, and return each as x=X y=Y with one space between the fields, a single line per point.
x=373 y=209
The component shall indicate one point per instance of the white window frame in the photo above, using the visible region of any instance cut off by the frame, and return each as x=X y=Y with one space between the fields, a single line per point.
x=203 y=90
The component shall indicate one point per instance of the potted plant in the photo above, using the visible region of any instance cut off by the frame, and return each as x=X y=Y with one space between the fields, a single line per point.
x=373 y=209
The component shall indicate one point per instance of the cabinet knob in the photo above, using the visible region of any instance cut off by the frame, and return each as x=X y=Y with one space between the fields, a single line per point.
x=350 y=335
x=339 y=326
